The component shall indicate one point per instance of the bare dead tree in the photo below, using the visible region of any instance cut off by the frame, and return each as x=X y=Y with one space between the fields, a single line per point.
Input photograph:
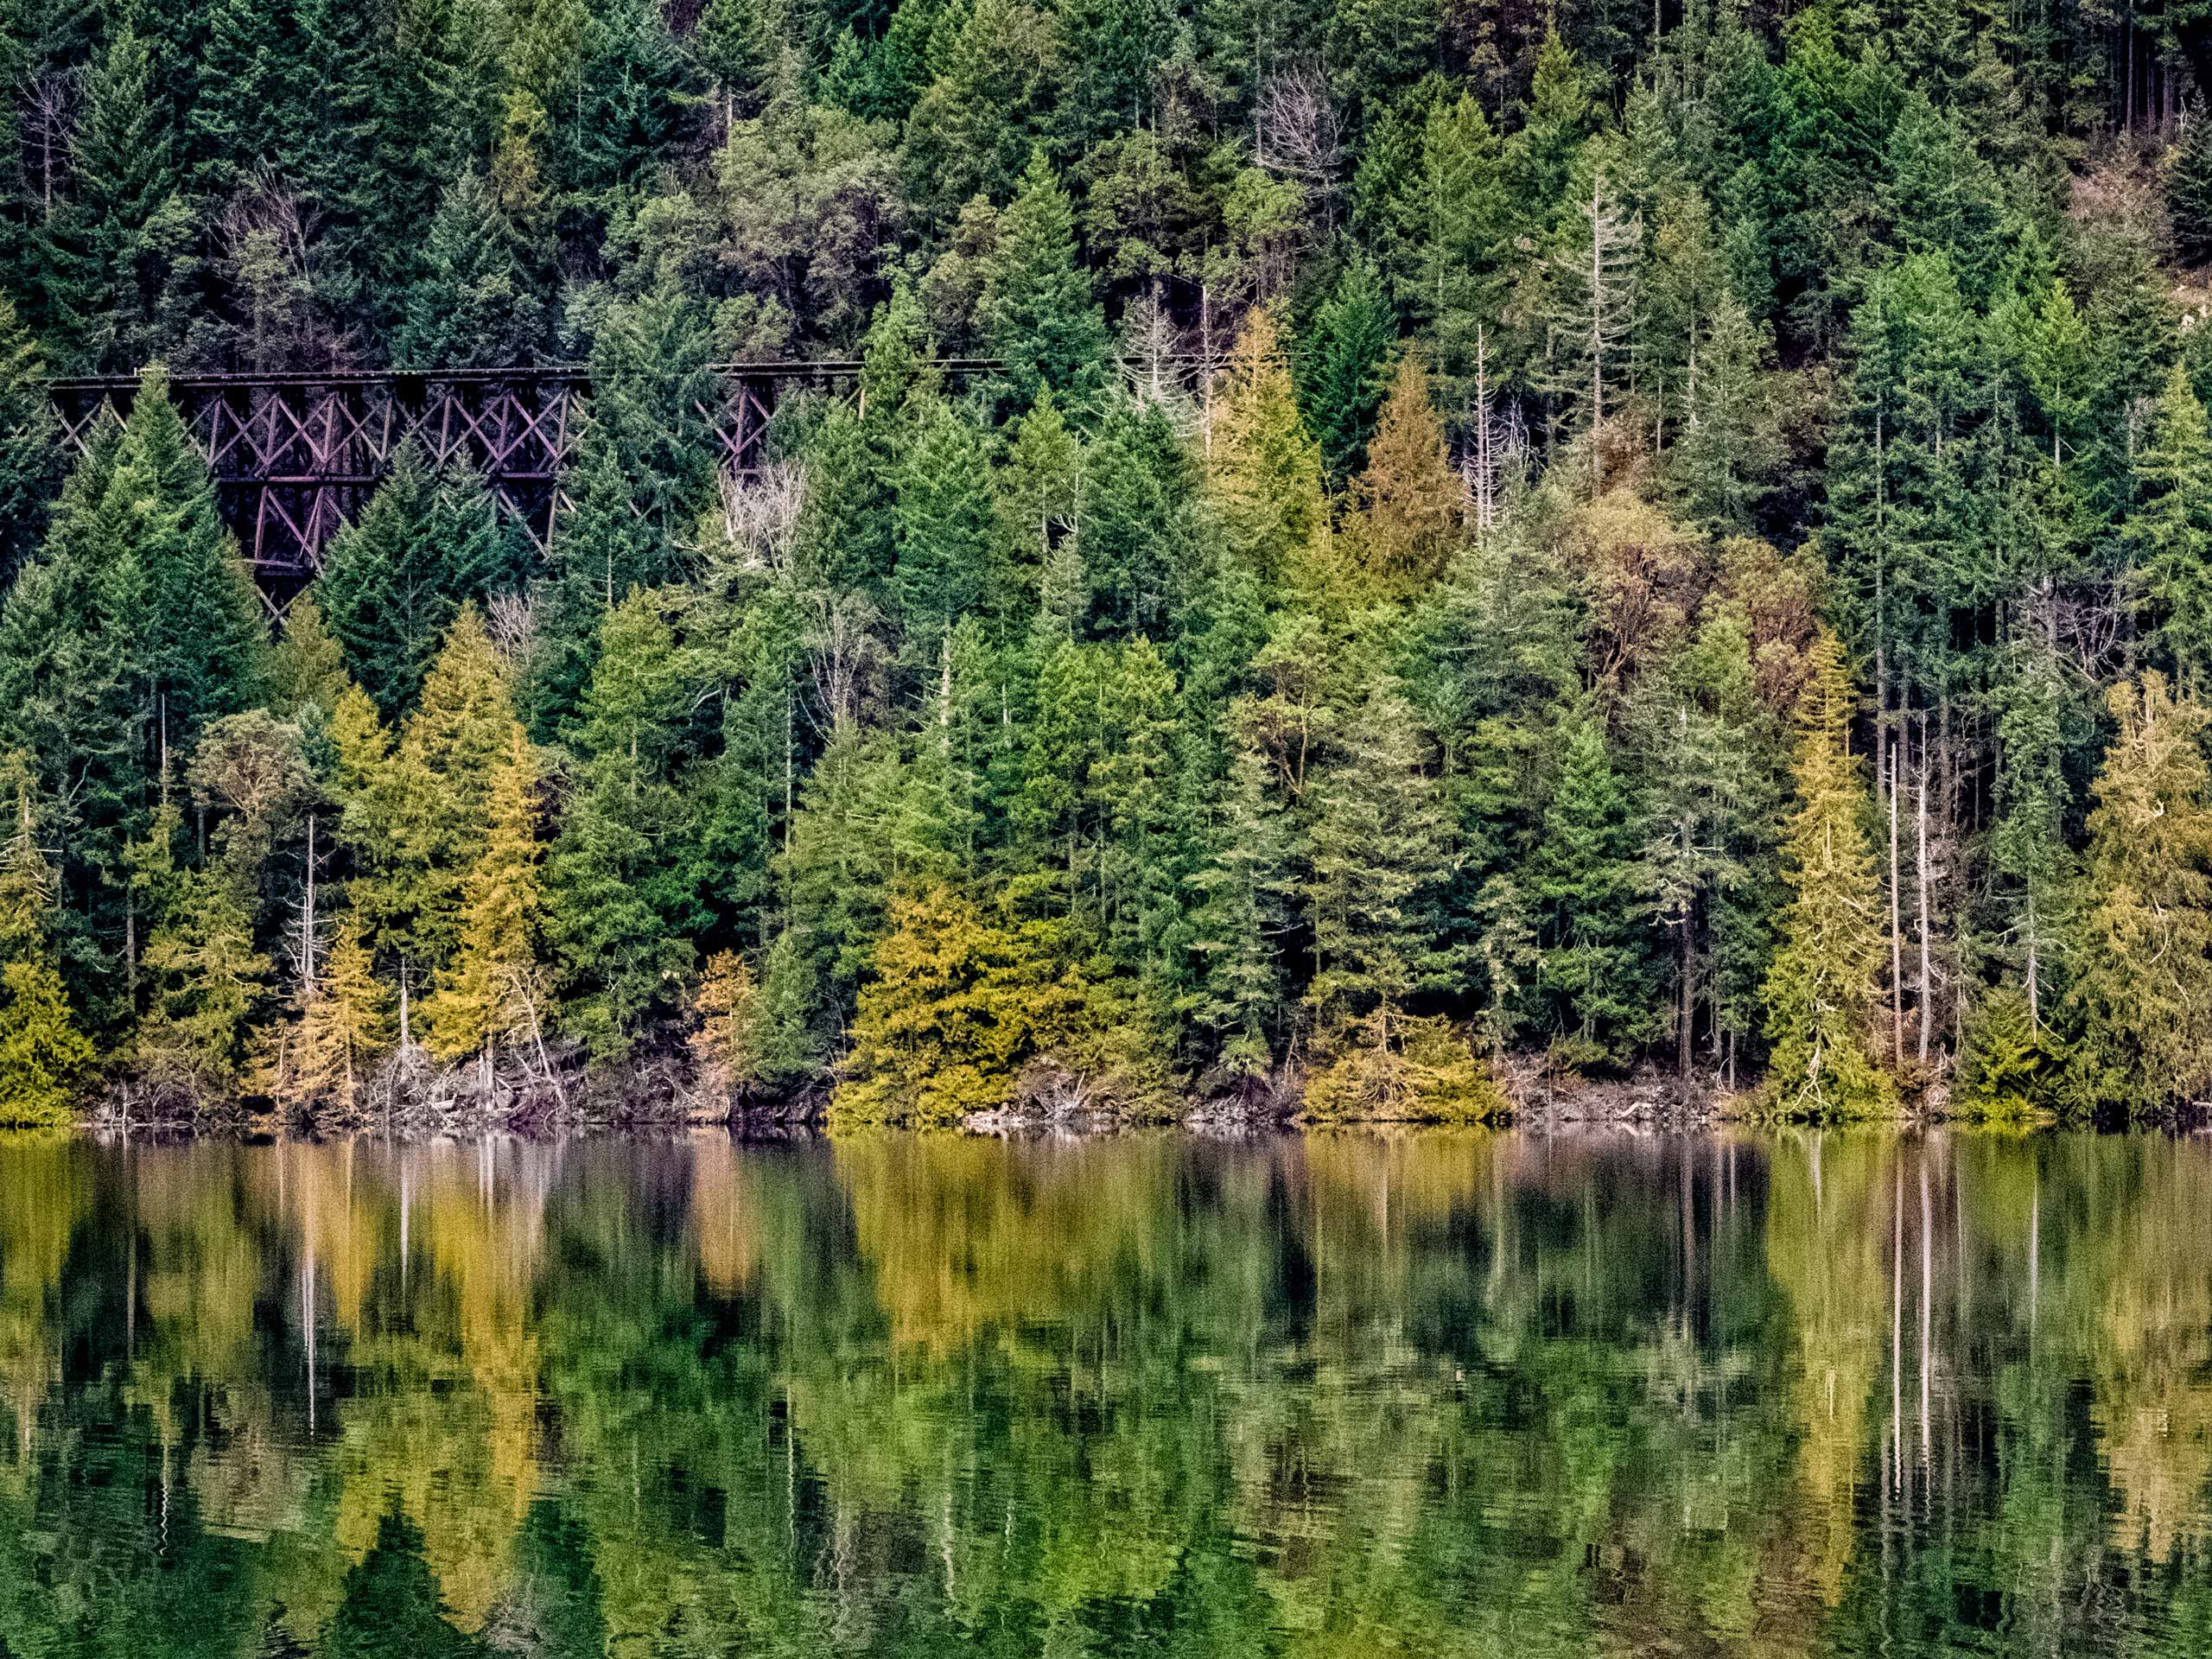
x=1298 y=133
x=511 y=619
x=760 y=513
x=266 y=234
x=47 y=100
x=1483 y=463
x=1156 y=361
x=844 y=647
x=1594 y=310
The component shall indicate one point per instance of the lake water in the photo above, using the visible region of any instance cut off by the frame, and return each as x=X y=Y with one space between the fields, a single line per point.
x=1482 y=1394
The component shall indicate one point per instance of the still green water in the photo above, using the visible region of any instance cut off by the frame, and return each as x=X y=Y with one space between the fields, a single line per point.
x=1491 y=1394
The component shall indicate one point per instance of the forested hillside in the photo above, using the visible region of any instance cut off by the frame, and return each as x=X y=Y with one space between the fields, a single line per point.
x=1485 y=543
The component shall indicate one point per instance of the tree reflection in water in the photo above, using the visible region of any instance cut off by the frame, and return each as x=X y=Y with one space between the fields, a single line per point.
x=1472 y=1394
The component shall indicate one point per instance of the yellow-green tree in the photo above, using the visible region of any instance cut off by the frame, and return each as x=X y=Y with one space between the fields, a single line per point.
x=957 y=1005
x=2143 y=968
x=205 y=976
x=493 y=990
x=417 y=814
x=307 y=665
x=1824 y=986
x=43 y=1055
x=1263 y=470
x=344 y=1024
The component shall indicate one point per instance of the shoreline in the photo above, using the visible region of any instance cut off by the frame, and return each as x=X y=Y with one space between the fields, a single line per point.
x=1590 y=1110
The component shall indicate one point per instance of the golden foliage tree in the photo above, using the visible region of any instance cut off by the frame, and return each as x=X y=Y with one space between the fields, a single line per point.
x=492 y=991
x=726 y=1045
x=444 y=775
x=1411 y=504
x=344 y=1025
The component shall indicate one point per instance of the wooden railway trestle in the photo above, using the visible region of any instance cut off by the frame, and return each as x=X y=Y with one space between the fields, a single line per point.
x=295 y=456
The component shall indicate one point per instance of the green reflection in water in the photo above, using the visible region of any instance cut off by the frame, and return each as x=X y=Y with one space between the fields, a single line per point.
x=1483 y=1395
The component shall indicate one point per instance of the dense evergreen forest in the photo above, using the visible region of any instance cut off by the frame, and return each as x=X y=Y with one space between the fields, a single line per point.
x=1487 y=548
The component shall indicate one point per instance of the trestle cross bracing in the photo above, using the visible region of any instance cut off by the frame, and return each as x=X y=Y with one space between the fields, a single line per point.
x=296 y=456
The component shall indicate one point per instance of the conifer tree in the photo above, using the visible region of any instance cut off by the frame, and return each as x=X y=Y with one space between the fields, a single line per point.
x=1561 y=114
x=307 y=668
x=1242 y=915
x=1410 y=503
x=743 y=796
x=1053 y=810
x=30 y=443
x=368 y=790
x=945 y=790
x=1036 y=311
x=209 y=981
x=342 y=1025
x=427 y=107
x=1135 y=787
x=472 y=304
x=44 y=1057
x=725 y=1044
x=1823 y=988
x=736 y=41
x=944 y=529
x=2143 y=964
x=432 y=808
x=604 y=547
x=69 y=698
x=1710 y=816
x=2188 y=187
x=1441 y=227
x=394 y=580
x=1943 y=197
x=1345 y=368
x=1139 y=532
x=2029 y=848
x=838 y=864
x=118 y=294
x=493 y=990
x=2170 y=533
x=786 y=1046
x=1039 y=497
x=1595 y=969
x=630 y=89
x=1729 y=448
x=1379 y=857
x=193 y=635
x=43 y=1053
x=992 y=69
x=945 y=536
x=622 y=892
x=1381 y=860
x=1685 y=276
x=2052 y=349
x=642 y=480
x=1263 y=472
x=253 y=109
